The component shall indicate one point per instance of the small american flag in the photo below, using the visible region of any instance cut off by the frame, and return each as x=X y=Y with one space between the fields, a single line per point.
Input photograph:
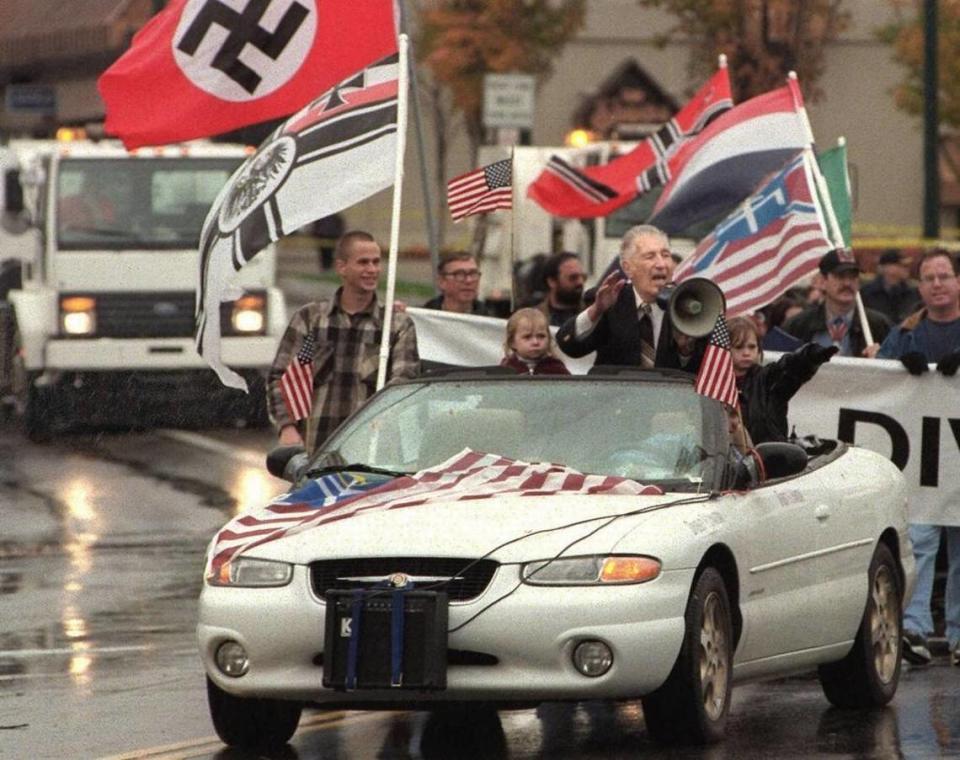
x=470 y=477
x=715 y=378
x=484 y=189
x=296 y=383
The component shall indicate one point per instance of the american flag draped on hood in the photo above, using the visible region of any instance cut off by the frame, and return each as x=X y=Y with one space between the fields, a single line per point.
x=467 y=476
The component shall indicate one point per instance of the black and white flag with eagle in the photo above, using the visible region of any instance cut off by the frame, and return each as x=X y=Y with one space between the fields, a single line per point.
x=333 y=153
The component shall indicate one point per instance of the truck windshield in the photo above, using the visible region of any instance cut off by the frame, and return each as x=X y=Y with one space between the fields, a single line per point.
x=153 y=203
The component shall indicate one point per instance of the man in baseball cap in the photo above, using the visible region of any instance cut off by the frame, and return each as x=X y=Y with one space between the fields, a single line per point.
x=834 y=321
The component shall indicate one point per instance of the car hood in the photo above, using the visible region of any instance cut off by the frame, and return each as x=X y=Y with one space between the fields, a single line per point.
x=507 y=528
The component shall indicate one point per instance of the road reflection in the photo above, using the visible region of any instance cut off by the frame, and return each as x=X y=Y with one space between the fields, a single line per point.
x=80 y=522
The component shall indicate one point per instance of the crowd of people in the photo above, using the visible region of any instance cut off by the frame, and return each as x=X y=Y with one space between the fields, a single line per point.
x=622 y=321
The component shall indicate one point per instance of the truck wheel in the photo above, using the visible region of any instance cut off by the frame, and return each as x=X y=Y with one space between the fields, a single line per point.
x=252 y=723
x=691 y=706
x=36 y=412
x=869 y=674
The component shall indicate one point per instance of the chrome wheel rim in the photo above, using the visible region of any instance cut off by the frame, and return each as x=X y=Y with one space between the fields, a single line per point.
x=885 y=624
x=714 y=664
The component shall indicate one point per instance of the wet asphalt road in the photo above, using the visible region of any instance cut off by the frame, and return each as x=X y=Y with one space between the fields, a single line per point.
x=101 y=549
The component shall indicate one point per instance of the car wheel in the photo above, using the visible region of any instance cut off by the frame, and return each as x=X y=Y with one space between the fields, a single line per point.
x=869 y=674
x=692 y=704
x=252 y=723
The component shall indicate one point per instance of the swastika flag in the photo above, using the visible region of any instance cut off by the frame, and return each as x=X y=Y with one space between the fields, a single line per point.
x=203 y=67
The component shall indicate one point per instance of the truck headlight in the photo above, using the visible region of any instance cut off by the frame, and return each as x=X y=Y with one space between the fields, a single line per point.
x=250 y=572
x=590 y=571
x=248 y=314
x=78 y=315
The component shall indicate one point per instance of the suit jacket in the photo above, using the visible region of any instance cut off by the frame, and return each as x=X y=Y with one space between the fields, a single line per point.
x=616 y=339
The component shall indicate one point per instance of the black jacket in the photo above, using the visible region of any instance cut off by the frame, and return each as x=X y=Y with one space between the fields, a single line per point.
x=813 y=319
x=765 y=392
x=895 y=304
x=616 y=339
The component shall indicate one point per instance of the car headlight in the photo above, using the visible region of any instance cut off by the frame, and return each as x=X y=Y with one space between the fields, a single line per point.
x=248 y=314
x=78 y=315
x=592 y=570
x=247 y=571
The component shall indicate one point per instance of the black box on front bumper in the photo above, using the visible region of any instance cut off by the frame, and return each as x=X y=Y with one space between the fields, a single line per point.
x=365 y=620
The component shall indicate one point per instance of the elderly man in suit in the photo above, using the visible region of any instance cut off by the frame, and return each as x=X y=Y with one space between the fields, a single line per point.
x=625 y=325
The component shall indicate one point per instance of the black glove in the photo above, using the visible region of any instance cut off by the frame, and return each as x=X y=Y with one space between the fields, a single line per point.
x=915 y=362
x=949 y=364
x=821 y=354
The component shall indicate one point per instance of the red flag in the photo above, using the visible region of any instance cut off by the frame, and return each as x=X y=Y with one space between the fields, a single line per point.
x=715 y=378
x=296 y=383
x=598 y=190
x=721 y=166
x=201 y=67
x=485 y=189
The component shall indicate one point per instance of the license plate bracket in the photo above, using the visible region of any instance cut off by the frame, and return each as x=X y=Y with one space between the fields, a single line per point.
x=422 y=644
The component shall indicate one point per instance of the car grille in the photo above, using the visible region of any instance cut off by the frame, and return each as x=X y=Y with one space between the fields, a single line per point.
x=468 y=578
x=151 y=315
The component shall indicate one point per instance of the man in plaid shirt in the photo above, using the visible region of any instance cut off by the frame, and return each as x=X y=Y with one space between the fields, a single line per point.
x=346 y=347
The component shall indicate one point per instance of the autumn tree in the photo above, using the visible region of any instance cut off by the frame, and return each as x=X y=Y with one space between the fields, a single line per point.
x=906 y=36
x=762 y=39
x=462 y=40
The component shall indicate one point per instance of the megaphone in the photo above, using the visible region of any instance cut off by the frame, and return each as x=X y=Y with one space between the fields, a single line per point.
x=693 y=305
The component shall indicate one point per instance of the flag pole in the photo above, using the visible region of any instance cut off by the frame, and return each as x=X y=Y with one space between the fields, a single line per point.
x=836 y=236
x=512 y=228
x=402 y=97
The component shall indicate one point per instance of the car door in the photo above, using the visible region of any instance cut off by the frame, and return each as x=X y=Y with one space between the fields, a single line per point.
x=780 y=595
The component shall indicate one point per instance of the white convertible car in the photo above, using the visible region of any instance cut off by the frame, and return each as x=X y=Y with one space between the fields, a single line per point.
x=504 y=539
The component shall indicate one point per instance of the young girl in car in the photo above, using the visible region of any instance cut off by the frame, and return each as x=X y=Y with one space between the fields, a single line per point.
x=528 y=348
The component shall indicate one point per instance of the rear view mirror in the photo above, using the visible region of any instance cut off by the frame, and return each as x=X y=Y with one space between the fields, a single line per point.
x=12 y=192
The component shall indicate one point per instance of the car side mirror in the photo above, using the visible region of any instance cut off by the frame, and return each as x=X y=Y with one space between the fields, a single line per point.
x=287 y=462
x=781 y=459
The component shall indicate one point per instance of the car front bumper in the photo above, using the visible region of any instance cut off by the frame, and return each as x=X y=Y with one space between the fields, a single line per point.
x=532 y=632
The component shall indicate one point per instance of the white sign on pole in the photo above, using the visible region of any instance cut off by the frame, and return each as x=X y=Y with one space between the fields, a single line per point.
x=508 y=100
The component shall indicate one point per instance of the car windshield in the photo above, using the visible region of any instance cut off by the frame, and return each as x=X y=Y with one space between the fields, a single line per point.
x=151 y=203
x=653 y=432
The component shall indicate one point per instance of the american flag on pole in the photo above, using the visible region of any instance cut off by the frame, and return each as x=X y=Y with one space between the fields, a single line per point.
x=773 y=240
x=485 y=189
x=296 y=383
x=467 y=477
x=715 y=378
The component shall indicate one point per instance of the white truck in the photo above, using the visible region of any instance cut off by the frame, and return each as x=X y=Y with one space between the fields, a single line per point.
x=98 y=316
x=515 y=238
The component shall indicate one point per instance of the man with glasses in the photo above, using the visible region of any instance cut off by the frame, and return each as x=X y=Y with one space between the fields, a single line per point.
x=624 y=324
x=930 y=336
x=458 y=279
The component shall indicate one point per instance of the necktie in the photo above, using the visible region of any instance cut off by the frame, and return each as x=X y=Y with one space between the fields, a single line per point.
x=647 y=352
x=837 y=329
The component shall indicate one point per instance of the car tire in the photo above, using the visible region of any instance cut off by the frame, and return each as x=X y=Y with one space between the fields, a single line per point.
x=868 y=676
x=691 y=706
x=252 y=723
